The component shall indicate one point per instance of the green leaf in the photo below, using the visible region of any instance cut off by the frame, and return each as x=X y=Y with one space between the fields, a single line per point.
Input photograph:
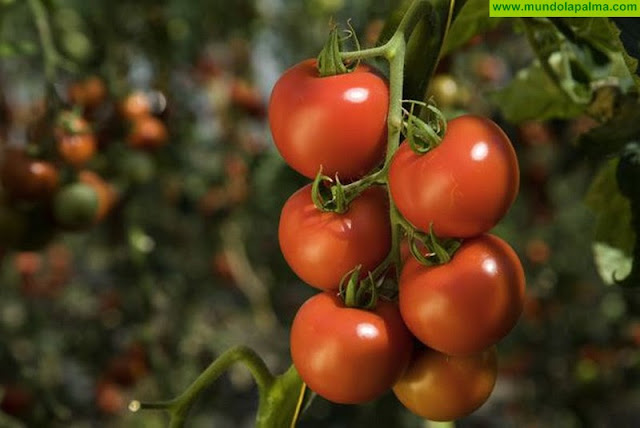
x=12 y=49
x=612 y=264
x=473 y=19
x=622 y=127
x=602 y=34
x=612 y=210
x=533 y=95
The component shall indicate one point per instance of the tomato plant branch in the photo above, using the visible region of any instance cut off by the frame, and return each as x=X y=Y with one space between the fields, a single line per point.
x=179 y=407
x=52 y=59
x=246 y=277
x=544 y=63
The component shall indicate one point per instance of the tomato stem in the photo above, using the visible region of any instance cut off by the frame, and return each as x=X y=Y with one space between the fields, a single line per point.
x=52 y=59
x=179 y=407
x=394 y=51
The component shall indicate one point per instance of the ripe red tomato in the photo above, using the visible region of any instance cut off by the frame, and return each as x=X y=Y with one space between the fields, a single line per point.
x=77 y=150
x=338 y=122
x=110 y=397
x=321 y=247
x=464 y=186
x=135 y=105
x=440 y=387
x=148 y=132
x=349 y=355
x=468 y=304
x=26 y=178
x=88 y=93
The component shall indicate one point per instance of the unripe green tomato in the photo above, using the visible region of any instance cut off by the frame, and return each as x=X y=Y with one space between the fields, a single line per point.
x=137 y=167
x=12 y=227
x=75 y=206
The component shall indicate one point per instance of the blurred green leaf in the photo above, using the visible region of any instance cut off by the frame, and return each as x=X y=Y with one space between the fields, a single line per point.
x=601 y=34
x=473 y=19
x=533 y=95
x=611 y=136
x=10 y=49
x=613 y=211
x=612 y=264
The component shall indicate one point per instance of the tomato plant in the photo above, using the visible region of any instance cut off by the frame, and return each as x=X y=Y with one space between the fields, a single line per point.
x=462 y=187
x=440 y=387
x=336 y=122
x=349 y=355
x=468 y=304
x=211 y=226
x=322 y=247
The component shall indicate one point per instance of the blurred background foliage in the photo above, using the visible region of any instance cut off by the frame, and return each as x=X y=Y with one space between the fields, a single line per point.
x=186 y=264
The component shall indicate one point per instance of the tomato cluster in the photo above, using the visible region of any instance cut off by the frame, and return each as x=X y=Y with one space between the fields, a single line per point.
x=432 y=340
x=53 y=183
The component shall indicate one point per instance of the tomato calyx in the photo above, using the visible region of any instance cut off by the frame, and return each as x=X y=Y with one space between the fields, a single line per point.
x=330 y=195
x=423 y=135
x=72 y=123
x=330 y=61
x=427 y=248
x=357 y=293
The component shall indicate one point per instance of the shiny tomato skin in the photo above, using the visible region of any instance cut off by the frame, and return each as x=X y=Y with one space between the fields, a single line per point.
x=464 y=186
x=349 y=355
x=337 y=122
x=321 y=247
x=468 y=304
x=441 y=387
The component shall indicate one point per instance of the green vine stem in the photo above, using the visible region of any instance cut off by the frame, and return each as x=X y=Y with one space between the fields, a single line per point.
x=179 y=407
x=544 y=63
x=52 y=59
x=394 y=51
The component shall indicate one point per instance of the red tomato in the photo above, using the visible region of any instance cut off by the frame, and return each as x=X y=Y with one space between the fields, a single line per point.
x=440 y=387
x=88 y=93
x=338 y=122
x=468 y=304
x=26 y=178
x=135 y=105
x=464 y=186
x=321 y=247
x=148 y=132
x=349 y=355
x=110 y=397
x=77 y=150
